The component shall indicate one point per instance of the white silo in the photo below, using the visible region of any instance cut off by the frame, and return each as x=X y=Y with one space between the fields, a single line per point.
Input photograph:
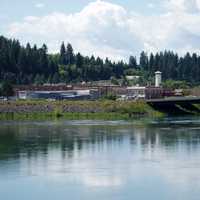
x=158 y=78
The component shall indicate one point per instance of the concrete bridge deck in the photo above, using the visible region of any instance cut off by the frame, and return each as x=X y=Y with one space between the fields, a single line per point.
x=176 y=105
x=174 y=100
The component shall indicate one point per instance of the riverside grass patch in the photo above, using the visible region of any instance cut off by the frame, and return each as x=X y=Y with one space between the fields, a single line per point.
x=101 y=109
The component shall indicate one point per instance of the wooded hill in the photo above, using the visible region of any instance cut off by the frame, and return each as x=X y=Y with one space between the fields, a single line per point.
x=30 y=64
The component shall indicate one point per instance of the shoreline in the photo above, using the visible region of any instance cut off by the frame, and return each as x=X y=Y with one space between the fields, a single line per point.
x=102 y=109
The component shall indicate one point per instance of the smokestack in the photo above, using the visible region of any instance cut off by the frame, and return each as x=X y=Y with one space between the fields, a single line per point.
x=158 y=78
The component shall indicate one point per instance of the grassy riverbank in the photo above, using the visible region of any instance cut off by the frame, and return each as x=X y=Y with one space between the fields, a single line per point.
x=107 y=110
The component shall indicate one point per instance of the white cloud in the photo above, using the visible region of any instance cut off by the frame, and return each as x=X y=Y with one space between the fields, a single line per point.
x=151 y=5
x=183 y=5
x=39 y=5
x=106 y=29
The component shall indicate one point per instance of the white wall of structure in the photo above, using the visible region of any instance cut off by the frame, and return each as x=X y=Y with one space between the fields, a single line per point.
x=158 y=78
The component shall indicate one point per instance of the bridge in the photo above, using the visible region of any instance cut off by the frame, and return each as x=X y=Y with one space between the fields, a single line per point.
x=176 y=105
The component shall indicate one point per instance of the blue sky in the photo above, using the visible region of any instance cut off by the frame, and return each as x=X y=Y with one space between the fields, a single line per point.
x=15 y=9
x=114 y=28
x=12 y=10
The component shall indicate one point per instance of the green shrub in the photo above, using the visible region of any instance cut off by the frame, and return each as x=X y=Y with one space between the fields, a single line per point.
x=58 y=112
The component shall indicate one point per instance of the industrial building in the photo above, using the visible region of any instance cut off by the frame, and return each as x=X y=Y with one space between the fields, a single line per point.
x=149 y=92
x=59 y=95
x=84 y=92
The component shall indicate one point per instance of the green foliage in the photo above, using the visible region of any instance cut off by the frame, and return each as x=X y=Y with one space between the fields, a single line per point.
x=30 y=64
x=171 y=84
x=114 y=81
x=110 y=97
x=125 y=82
x=55 y=78
x=58 y=112
x=104 y=109
x=63 y=73
x=39 y=79
x=131 y=72
x=134 y=108
x=6 y=89
x=132 y=62
x=144 y=61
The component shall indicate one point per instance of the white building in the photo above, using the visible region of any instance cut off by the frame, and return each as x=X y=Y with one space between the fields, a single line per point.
x=132 y=78
x=136 y=92
x=158 y=78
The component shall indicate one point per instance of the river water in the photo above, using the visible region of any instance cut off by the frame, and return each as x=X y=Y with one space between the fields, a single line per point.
x=97 y=160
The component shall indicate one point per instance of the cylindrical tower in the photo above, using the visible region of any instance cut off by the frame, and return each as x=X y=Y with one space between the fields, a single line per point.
x=158 y=78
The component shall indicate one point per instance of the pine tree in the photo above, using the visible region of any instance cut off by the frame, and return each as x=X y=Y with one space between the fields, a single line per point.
x=70 y=59
x=143 y=61
x=132 y=62
x=63 y=60
x=79 y=60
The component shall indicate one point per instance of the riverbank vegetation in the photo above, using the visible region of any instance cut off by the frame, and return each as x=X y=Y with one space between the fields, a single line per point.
x=105 y=109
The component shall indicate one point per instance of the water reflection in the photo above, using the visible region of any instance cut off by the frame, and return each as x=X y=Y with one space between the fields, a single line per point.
x=29 y=140
x=92 y=159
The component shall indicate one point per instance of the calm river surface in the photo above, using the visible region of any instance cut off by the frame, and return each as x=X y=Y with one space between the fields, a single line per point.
x=96 y=160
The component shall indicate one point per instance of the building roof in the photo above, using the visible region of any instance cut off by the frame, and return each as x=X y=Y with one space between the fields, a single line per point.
x=136 y=88
x=158 y=72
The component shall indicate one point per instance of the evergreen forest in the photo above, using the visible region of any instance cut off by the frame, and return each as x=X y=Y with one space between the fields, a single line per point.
x=34 y=65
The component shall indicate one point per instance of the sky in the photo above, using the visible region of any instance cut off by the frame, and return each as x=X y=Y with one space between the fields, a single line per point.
x=105 y=28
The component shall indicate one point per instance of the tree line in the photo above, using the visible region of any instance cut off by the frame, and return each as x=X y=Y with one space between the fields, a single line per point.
x=32 y=65
x=27 y=65
x=184 y=68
